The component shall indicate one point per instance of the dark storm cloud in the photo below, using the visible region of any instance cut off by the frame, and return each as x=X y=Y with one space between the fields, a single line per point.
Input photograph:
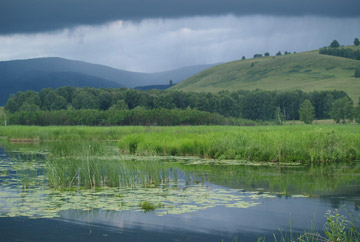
x=25 y=16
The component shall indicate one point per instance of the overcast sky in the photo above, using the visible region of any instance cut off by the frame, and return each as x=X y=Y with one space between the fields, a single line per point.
x=158 y=35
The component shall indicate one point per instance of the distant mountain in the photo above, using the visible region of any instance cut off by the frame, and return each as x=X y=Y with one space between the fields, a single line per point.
x=36 y=74
x=307 y=71
x=152 y=87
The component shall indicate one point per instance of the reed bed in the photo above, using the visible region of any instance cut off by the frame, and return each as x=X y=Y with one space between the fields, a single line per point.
x=95 y=164
x=306 y=144
x=298 y=143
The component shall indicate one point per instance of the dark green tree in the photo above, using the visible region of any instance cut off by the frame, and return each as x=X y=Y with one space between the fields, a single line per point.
x=356 y=42
x=28 y=107
x=12 y=106
x=342 y=110
x=84 y=100
x=243 y=58
x=120 y=105
x=59 y=103
x=267 y=54
x=278 y=54
x=171 y=83
x=66 y=92
x=105 y=100
x=334 y=44
x=306 y=112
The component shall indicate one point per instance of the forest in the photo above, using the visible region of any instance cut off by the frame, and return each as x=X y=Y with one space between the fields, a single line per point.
x=253 y=105
x=341 y=52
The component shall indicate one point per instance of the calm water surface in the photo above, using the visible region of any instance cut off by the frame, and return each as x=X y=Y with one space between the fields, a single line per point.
x=196 y=203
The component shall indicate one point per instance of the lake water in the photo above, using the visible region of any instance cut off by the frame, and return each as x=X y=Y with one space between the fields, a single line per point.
x=193 y=202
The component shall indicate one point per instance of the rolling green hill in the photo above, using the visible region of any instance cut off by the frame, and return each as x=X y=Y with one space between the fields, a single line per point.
x=307 y=71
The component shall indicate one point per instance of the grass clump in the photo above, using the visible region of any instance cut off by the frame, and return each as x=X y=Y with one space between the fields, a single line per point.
x=147 y=206
x=336 y=229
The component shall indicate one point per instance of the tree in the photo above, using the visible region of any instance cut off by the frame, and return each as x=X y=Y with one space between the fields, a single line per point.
x=306 y=112
x=334 y=44
x=28 y=107
x=84 y=100
x=279 y=116
x=356 y=42
x=59 y=103
x=342 y=110
x=66 y=92
x=357 y=73
x=278 y=54
x=243 y=58
x=357 y=112
x=12 y=106
x=105 y=100
x=267 y=54
x=171 y=83
x=120 y=105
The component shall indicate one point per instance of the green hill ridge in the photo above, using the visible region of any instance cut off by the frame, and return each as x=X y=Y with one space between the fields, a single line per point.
x=307 y=71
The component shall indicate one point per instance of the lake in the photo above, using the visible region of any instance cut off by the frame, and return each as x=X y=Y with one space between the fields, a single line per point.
x=190 y=200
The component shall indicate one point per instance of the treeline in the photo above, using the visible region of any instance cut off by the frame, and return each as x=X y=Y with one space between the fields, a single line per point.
x=252 y=105
x=341 y=52
x=137 y=116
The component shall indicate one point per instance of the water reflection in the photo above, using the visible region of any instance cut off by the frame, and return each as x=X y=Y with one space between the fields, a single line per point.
x=192 y=201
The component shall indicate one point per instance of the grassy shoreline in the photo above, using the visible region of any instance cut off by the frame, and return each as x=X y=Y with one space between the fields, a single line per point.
x=297 y=143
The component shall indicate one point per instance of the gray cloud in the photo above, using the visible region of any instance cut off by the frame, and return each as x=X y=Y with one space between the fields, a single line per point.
x=25 y=16
x=154 y=45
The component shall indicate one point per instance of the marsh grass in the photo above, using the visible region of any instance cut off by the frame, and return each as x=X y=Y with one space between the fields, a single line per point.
x=96 y=165
x=147 y=206
x=311 y=144
x=336 y=229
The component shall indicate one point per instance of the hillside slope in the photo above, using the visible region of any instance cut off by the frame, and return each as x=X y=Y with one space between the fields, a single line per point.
x=307 y=71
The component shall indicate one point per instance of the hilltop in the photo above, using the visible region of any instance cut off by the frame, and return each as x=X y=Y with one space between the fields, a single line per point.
x=307 y=71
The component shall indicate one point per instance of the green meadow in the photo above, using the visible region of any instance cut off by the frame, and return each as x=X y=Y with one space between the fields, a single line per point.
x=306 y=71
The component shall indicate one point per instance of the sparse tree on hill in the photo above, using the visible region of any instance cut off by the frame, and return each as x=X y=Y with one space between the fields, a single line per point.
x=267 y=54
x=356 y=42
x=243 y=58
x=278 y=54
x=306 y=112
x=334 y=44
x=171 y=83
